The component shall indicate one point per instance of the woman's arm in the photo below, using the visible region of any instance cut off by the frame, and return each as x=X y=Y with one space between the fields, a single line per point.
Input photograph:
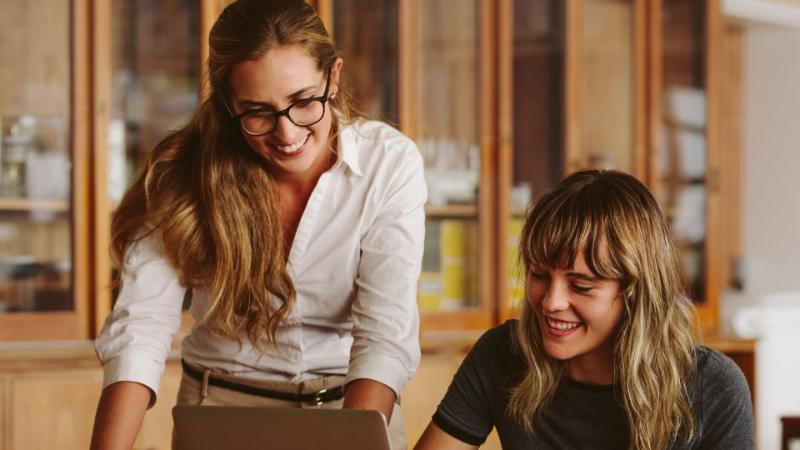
x=119 y=415
x=384 y=312
x=370 y=394
x=435 y=439
x=134 y=343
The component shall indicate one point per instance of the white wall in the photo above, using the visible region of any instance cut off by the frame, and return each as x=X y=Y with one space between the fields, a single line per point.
x=771 y=160
x=771 y=215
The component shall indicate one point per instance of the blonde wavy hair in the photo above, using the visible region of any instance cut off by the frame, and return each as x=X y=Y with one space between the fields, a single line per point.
x=209 y=197
x=616 y=222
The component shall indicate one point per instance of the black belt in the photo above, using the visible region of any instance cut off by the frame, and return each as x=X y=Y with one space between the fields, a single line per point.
x=317 y=398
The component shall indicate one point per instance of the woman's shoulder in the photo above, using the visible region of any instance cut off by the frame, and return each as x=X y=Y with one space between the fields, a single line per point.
x=498 y=341
x=722 y=404
x=716 y=371
x=711 y=361
x=377 y=138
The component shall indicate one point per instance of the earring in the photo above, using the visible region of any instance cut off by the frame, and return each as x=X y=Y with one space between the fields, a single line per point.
x=333 y=96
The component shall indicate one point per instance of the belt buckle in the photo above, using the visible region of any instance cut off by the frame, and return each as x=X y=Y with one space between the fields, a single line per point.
x=318 y=402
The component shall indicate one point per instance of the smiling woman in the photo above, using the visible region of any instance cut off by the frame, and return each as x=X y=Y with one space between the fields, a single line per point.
x=602 y=355
x=296 y=225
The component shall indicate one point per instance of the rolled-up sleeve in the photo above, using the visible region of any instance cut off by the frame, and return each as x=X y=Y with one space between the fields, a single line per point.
x=385 y=315
x=136 y=337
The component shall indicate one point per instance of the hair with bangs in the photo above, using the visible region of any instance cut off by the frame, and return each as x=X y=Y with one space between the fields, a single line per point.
x=614 y=219
x=208 y=195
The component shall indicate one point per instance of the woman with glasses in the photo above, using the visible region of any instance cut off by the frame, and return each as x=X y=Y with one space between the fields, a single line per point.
x=602 y=355
x=296 y=227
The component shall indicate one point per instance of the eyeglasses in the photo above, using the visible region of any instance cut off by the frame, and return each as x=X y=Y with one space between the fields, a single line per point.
x=304 y=112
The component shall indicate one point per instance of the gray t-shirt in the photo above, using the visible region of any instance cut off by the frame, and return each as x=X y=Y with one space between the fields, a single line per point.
x=583 y=416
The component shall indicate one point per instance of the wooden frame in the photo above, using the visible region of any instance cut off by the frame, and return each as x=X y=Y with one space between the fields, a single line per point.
x=100 y=88
x=408 y=50
x=488 y=199
x=38 y=326
x=708 y=310
x=573 y=88
x=325 y=11
x=209 y=11
x=640 y=96
x=730 y=151
x=654 y=90
x=505 y=151
x=101 y=97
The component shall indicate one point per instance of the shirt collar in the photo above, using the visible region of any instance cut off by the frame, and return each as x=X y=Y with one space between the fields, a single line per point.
x=347 y=148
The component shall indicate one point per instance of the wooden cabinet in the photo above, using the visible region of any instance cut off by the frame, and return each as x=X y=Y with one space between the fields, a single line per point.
x=63 y=403
x=49 y=394
x=44 y=266
x=505 y=98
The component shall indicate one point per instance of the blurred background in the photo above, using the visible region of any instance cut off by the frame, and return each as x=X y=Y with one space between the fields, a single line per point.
x=697 y=98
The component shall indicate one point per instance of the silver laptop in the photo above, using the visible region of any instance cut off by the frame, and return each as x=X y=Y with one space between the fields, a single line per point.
x=248 y=428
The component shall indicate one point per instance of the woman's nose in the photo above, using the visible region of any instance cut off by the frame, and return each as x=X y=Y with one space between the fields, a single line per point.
x=556 y=297
x=285 y=131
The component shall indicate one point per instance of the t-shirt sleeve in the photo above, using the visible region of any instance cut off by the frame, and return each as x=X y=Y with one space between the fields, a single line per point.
x=727 y=411
x=465 y=412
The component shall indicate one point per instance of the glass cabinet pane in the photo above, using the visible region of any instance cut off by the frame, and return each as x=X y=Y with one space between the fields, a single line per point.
x=608 y=90
x=538 y=98
x=448 y=48
x=155 y=78
x=36 y=228
x=366 y=32
x=682 y=152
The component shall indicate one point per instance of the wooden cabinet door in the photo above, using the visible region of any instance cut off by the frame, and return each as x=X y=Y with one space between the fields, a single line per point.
x=43 y=168
x=53 y=410
x=685 y=164
x=423 y=393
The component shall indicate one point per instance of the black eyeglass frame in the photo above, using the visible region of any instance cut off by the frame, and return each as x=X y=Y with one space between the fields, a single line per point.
x=284 y=112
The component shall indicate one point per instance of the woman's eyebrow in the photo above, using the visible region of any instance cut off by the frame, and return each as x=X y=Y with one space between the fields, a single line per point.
x=293 y=96
x=583 y=276
x=301 y=92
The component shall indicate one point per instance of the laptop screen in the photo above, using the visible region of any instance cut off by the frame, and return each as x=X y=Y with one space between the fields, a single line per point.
x=241 y=427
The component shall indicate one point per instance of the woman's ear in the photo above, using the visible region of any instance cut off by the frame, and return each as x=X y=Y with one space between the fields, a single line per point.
x=336 y=71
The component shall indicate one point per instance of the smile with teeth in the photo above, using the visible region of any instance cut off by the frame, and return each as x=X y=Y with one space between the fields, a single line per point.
x=292 y=147
x=561 y=325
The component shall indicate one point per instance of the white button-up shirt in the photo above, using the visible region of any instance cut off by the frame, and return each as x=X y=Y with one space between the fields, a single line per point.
x=355 y=261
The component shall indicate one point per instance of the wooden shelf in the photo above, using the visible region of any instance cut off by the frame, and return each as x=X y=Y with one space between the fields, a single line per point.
x=670 y=122
x=27 y=356
x=463 y=211
x=682 y=181
x=455 y=340
x=456 y=320
x=728 y=344
x=447 y=211
x=28 y=204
